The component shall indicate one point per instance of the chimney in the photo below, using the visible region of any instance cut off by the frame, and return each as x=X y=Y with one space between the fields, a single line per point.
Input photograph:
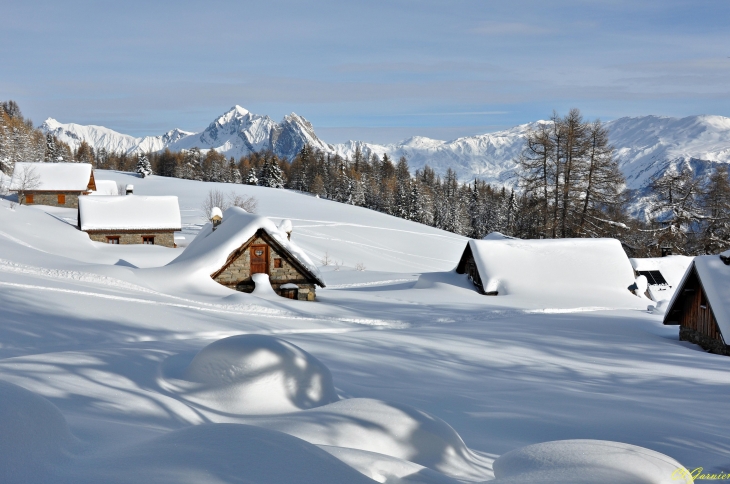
x=216 y=217
x=666 y=251
x=129 y=190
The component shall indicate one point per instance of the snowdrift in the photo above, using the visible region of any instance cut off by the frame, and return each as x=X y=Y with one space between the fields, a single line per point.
x=595 y=270
x=672 y=269
x=587 y=462
x=255 y=374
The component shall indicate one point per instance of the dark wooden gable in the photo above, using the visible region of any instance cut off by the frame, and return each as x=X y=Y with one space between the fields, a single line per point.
x=691 y=310
x=280 y=249
x=92 y=183
x=467 y=265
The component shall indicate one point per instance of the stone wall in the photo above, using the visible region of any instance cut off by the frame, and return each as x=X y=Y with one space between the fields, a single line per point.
x=51 y=198
x=165 y=239
x=710 y=344
x=238 y=275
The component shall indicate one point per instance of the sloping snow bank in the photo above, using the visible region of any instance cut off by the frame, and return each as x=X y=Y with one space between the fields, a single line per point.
x=34 y=435
x=256 y=374
x=392 y=429
x=223 y=453
x=587 y=462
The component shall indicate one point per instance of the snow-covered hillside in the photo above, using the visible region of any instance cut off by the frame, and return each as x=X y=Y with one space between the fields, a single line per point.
x=645 y=145
x=116 y=366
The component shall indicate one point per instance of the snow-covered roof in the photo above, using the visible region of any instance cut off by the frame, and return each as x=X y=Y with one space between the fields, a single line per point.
x=105 y=187
x=714 y=275
x=71 y=177
x=210 y=249
x=554 y=266
x=130 y=212
x=672 y=268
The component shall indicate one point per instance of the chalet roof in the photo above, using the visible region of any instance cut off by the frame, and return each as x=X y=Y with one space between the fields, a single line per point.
x=105 y=187
x=71 y=177
x=553 y=266
x=209 y=250
x=130 y=212
x=714 y=276
x=672 y=268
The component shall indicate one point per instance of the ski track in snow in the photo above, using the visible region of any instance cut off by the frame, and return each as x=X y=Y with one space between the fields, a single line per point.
x=18 y=241
x=380 y=248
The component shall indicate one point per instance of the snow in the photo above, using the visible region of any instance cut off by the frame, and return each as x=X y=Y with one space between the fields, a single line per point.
x=129 y=212
x=72 y=177
x=595 y=271
x=587 y=462
x=672 y=267
x=255 y=374
x=105 y=187
x=434 y=383
x=215 y=212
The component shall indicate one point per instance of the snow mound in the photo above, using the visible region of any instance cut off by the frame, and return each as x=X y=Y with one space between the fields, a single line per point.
x=223 y=453
x=392 y=429
x=34 y=435
x=262 y=286
x=587 y=462
x=258 y=374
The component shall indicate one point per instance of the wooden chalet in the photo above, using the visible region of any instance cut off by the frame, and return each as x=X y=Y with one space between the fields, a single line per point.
x=701 y=304
x=130 y=219
x=264 y=254
x=54 y=184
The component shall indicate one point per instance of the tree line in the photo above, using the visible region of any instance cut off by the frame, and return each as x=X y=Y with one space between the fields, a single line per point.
x=568 y=185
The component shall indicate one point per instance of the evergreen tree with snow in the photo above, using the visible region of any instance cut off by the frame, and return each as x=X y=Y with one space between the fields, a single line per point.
x=251 y=178
x=144 y=169
x=234 y=173
x=271 y=175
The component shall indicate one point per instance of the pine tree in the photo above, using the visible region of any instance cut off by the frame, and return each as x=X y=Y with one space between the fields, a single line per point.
x=234 y=174
x=251 y=178
x=716 y=206
x=143 y=166
x=271 y=175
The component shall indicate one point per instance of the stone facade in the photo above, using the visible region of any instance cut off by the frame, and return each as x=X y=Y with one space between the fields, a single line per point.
x=165 y=239
x=710 y=344
x=51 y=198
x=238 y=274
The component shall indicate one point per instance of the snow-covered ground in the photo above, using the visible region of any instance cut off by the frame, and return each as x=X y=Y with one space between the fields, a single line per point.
x=115 y=369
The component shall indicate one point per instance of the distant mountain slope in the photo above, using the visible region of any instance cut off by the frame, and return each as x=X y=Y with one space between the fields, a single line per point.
x=645 y=145
x=235 y=133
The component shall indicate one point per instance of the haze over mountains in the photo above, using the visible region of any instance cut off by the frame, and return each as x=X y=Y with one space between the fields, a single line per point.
x=645 y=145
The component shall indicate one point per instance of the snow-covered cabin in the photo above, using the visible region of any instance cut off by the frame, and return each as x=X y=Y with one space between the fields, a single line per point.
x=701 y=304
x=504 y=266
x=130 y=219
x=105 y=187
x=662 y=274
x=55 y=184
x=245 y=244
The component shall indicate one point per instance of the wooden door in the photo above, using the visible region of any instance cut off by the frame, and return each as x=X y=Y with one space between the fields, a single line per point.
x=259 y=259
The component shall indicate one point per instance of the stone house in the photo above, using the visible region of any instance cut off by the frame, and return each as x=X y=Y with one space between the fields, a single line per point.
x=262 y=253
x=240 y=245
x=701 y=304
x=54 y=184
x=130 y=219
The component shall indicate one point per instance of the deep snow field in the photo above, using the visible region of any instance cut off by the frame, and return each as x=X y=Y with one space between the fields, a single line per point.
x=113 y=369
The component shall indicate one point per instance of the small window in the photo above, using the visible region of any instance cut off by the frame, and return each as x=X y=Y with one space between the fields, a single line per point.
x=29 y=198
x=112 y=240
x=148 y=240
x=61 y=199
x=277 y=263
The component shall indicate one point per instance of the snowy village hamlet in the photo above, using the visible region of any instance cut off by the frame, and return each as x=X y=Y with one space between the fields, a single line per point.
x=250 y=304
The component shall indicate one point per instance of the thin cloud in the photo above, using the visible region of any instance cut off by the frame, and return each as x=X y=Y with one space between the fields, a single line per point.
x=509 y=28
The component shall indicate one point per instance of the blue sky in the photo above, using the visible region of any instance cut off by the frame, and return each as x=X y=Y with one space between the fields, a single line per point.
x=373 y=70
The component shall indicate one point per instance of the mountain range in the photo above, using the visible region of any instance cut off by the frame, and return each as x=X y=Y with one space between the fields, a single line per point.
x=645 y=145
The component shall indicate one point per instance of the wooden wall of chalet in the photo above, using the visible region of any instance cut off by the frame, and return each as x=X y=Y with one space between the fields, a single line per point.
x=696 y=319
x=467 y=265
